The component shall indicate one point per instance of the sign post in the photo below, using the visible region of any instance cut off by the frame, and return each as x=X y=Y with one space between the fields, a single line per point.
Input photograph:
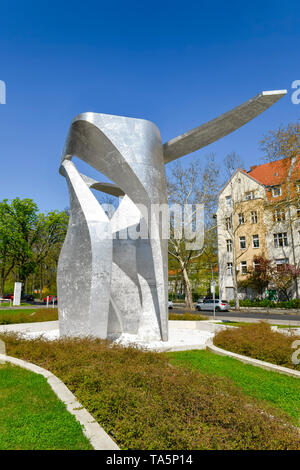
x=213 y=291
x=17 y=293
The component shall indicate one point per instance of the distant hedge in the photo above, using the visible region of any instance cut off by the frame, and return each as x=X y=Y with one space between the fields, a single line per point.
x=294 y=303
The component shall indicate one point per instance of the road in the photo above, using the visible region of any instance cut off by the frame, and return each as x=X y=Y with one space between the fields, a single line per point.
x=246 y=315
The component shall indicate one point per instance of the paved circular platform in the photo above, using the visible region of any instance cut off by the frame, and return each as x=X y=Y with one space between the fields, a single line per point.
x=180 y=339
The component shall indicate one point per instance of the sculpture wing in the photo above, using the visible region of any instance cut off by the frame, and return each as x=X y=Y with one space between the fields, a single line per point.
x=219 y=127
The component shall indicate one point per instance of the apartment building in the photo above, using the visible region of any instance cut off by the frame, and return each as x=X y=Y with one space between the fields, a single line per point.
x=258 y=215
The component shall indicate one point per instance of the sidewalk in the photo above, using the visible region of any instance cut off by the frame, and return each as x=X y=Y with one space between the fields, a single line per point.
x=30 y=327
x=279 y=311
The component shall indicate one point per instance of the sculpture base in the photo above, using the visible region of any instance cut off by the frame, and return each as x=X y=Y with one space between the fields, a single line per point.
x=179 y=339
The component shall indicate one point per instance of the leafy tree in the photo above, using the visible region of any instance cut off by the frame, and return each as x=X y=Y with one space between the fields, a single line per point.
x=52 y=228
x=259 y=275
x=265 y=273
x=17 y=235
x=283 y=276
x=28 y=238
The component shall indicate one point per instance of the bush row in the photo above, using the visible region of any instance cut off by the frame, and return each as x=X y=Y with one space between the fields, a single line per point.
x=186 y=316
x=294 y=303
x=260 y=342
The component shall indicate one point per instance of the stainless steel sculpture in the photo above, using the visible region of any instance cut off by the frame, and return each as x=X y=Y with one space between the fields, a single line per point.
x=110 y=284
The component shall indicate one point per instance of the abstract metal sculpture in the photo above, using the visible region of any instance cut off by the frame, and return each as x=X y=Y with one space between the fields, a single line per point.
x=110 y=284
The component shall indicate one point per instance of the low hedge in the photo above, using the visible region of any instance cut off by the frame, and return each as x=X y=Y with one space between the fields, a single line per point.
x=294 y=303
x=186 y=317
x=260 y=342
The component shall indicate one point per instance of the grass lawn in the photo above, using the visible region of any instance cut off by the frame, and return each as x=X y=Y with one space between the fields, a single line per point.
x=28 y=315
x=14 y=311
x=31 y=415
x=277 y=389
x=7 y=304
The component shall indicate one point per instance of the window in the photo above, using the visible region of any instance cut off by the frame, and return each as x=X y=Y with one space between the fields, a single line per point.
x=280 y=263
x=243 y=267
x=229 y=269
x=298 y=212
x=242 y=243
x=241 y=218
x=278 y=215
x=255 y=241
x=229 y=245
x=228 y=201
x=253 y=217
x=249 y=195
x=256 y=265
x=228 y=223
x=276 y=191
x=280 y=239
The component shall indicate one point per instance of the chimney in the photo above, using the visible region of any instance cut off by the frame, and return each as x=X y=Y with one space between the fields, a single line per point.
x=253 y=167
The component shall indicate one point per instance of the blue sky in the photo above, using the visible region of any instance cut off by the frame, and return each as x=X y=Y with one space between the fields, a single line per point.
x=178 y=64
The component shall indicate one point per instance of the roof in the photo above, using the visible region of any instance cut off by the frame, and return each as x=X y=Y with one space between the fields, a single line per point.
x=273 y=173
x=238 y=170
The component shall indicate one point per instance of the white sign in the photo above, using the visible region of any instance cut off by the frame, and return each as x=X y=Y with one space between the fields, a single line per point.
x=212 y=289
x=17 y=293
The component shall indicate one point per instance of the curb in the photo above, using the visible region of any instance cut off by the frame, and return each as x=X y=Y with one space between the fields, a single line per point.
x=254 y=362
x=267 y=310
x=99 y=439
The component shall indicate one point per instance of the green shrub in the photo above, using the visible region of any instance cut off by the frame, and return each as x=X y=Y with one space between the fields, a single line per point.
x=144 y=402
x=294 y=303
x=260 y=342
x=187 y=316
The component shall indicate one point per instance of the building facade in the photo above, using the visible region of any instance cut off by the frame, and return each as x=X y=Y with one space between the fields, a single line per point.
x=258 y=216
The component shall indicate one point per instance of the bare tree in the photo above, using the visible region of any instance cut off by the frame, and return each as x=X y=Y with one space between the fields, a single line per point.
x=281 y=143
x=194 y=184
x=232 y=162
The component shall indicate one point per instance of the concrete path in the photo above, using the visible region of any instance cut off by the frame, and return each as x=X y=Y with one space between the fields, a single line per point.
x=30 y=327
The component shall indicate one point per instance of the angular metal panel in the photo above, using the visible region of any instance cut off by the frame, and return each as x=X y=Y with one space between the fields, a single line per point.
x=219 y=127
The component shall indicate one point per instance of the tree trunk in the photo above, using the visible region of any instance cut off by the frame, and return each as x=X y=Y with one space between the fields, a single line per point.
x=41 y=282
x=187 y=288
x=235 y=288
x=2 y=281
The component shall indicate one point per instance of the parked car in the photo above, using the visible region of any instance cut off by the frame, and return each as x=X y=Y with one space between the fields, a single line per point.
x=28 y=298
x=51 y=299
x=8 y=296
x=170 y=304
x=208 y=304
